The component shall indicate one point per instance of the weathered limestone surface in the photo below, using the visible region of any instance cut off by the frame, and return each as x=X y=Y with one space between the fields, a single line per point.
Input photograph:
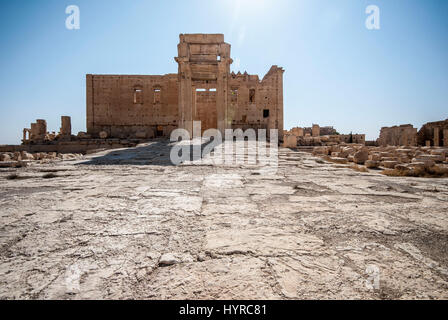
x=66 y=127
x=290 y=141
x=316 y=130
x=404 y=135
x=128 y=225
x=435 y=133
x=409 y=159
x=436 y=137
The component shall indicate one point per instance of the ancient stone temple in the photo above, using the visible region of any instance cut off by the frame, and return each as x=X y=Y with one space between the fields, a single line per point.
x=204 y=89
x=404 y=135
x=434 y=134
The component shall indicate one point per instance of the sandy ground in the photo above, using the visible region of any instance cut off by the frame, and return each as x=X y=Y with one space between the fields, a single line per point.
x=126 y=224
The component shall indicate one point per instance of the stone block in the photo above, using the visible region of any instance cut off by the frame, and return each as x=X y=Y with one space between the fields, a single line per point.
x=372 y=164
x=361 y=156
x=389 y=164
x=290 y=141
x=339 y=160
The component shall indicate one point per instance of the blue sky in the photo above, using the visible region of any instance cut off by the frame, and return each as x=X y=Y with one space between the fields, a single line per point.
x=337 y=72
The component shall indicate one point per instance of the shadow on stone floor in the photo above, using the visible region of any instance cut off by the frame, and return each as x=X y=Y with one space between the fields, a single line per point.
x=155 y=153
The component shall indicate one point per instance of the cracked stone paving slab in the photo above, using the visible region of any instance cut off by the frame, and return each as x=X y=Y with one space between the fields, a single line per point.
x=126 y=224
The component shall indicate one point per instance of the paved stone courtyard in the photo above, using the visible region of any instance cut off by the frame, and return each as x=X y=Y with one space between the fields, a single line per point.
x=126 y=224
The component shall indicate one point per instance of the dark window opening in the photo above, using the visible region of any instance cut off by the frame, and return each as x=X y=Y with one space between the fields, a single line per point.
x=252 y=95
x=138 y=96
x=157 y=95
x=244 y=119
x=234 y=95
x=266 y=113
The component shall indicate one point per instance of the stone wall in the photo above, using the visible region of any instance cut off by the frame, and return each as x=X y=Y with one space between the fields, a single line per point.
x=261 y=110
x=353 y=138
x=434 y=134
x=328 y=131
x=126 y=106
x=404 y=135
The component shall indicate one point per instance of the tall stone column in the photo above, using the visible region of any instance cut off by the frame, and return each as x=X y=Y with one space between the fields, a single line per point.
x=185 y=97
x=42 y=129
x=222 y=94
x=221 y=100
x=66 y=126
x=316 y=130
x=445 y=137
x=280 y=125
x=436 y=137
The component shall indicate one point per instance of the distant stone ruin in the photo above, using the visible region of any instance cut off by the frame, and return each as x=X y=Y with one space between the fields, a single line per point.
x=404 y=135
x=434 y=134
x=319 y=136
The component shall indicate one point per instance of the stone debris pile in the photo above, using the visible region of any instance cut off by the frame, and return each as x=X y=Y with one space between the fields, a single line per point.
x=405 y=161
x=318 y=136
x=23 y=158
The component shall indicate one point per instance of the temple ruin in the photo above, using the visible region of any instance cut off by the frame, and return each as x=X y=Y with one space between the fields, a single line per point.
x=204 y=89
x=434 y=134
x=124 y=110
x=404 y=135
x=319 y=136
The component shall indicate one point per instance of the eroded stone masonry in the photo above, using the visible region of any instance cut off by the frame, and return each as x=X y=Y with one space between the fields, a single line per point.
x=432 y=134
x=204 y=89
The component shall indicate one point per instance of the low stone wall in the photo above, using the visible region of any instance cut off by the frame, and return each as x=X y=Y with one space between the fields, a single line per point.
x=20 y=159
x=81 y=146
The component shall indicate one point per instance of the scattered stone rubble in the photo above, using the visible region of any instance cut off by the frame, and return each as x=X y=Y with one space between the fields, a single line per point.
x=432 y=134
x=318 y=136
x=39 y=140
x=23 y=158
x=402 y=161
